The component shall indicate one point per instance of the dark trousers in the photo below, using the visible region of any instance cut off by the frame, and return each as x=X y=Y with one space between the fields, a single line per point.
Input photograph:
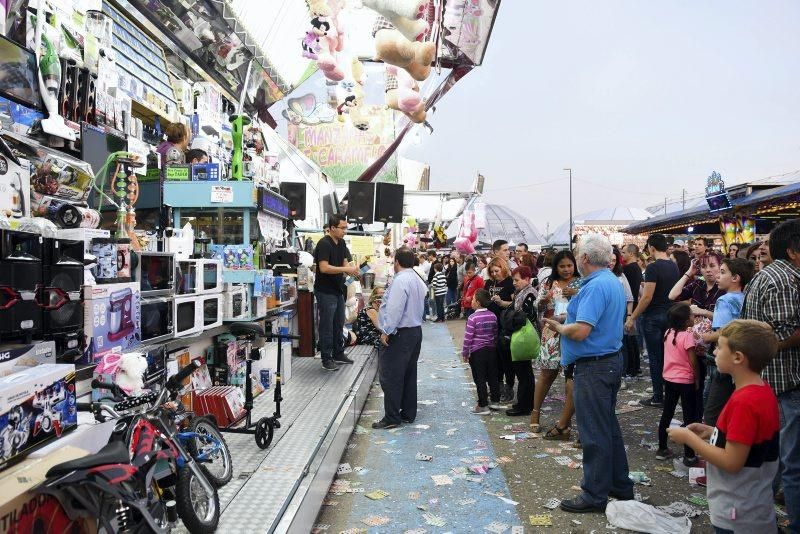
x=688 y=397
x=719 y=391
x=331 y=322
x=397 y=368
x=525 y=389
x=439 y=307
x=483 y=363
x=605 y=464
x=699 y=403
x=504 y=362
x=653 y=327
x=633 y=365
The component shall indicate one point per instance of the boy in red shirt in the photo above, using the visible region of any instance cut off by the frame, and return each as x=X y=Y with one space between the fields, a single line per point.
x=742 y=452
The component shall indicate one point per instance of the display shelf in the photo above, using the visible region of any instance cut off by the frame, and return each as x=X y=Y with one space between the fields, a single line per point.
x=240 y=276
x=199 y=194
x=148 y=114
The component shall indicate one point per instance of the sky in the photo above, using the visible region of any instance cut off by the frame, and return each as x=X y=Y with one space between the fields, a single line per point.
x=640 y=98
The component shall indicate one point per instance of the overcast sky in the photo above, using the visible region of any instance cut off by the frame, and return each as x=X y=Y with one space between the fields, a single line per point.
x=640 y=98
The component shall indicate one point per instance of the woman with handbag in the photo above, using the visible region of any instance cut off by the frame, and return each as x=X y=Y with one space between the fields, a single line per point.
x=501 y=289
x=525 y=302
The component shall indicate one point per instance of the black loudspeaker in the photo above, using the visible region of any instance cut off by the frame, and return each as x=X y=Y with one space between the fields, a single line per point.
x=389 y=203
x=60 y=298
x=87 y=87
x=20 y=279
x=65 y=91
x=360 y=202
x=295 y=192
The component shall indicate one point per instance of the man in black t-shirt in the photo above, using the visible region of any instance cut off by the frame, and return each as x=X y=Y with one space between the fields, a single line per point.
x=659 y=277
x=333 y=261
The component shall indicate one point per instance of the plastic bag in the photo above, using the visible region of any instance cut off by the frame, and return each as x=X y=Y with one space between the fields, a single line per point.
x=641 y=517
x=525 y=344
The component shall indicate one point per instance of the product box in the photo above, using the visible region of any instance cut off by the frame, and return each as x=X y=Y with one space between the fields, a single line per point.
x=178 y=173
x=83 y=234
x=205 y=172
x=15 y=185
x=37 y=405
x=112 y=318
x=14 y=358
x=24 y=510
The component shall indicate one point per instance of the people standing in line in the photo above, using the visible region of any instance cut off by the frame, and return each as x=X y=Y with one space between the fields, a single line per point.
x=479 y=350
x=633 y=273
x=401 y=318
x=773 y=296
x=734 y=276
x=501 y=291
x=500 y=249
x=439 y=285
x=472 y=283
x=741 y=452
x=451 y=274
x=659 y=277
x=525 y=301
x=554 y=294
x=333 y=261
x=616 y=268
x=592 y=338
x=682 y=380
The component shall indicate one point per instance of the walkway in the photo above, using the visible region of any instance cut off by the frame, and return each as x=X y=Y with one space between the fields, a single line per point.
x=384 y=487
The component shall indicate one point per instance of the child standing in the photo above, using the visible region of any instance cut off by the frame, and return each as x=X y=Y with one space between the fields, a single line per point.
x=742 y=454
x=439 y=285
x=681 y=379
x=480 y=342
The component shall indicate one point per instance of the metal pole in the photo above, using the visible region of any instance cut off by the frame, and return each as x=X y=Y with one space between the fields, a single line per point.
x=570 y=207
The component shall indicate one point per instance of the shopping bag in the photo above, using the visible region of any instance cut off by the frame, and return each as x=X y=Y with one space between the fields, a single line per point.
x=525 y=344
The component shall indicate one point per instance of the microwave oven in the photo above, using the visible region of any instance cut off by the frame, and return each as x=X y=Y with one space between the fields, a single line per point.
x=155 y=273
x=198 y=276
x=158 y=319
x=211 y=309
x=237 y=303
x=187 y=316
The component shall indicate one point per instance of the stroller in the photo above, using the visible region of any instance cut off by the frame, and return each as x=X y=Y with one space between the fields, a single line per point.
x=453 y=311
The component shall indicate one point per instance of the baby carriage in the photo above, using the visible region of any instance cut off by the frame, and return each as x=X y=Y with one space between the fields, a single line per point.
x=453 y=311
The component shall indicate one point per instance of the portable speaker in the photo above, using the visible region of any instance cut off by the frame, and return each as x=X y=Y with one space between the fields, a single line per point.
x=20 y=279
x=65 y=91
x=295 y=192
x=60 y=298
x=87 y=88
x=389 y=202
x=77 y=93
x=360 y=201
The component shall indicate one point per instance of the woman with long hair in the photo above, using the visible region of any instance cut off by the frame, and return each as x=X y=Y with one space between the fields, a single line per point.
x=682 y=259
x=733 y=250
x=554 y=294
x=501 y=290
x=451 y=274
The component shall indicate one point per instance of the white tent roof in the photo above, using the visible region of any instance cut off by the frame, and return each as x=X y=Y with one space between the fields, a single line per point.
x=500 y=222
x=620 y=216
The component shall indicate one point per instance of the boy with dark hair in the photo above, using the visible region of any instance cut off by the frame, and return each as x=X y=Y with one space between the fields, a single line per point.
x=439 y=285
x=742 y=451
x=479 y=349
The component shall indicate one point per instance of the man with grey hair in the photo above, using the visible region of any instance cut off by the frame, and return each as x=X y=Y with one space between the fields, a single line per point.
x=591 y=338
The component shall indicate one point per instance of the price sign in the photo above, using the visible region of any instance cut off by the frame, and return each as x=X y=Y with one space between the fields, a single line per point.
x=221 y=194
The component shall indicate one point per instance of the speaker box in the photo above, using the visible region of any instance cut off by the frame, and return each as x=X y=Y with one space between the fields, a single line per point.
x=295 y=192
x=20 y=278
x=87 y=88
x=389 y=202
x=360 y=202
x=65 y=91
x=60 y=297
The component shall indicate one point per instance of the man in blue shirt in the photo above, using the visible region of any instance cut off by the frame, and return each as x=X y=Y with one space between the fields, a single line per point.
x=401 y=316
x=591 y=338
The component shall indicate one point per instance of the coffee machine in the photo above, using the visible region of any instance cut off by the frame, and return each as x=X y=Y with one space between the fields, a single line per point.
x=121 y=314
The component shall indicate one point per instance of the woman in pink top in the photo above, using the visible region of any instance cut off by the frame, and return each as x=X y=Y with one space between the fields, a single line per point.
x=681 y=379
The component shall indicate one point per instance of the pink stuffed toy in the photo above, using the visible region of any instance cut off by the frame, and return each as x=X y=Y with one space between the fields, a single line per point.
x=467 y=235
x=330 y=38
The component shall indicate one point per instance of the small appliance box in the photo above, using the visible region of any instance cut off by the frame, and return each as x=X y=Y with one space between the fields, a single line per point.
x=112 y=318
x=37 y=406
x=14 y=358
x=15 y=187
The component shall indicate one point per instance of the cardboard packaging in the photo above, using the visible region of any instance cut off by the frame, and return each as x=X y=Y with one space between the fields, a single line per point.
x=14 y=358
x=112 y=318
x=37 y=405
x=15 y=187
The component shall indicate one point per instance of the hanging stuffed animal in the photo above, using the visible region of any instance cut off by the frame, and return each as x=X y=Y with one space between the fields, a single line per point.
x=354 y=105
x=327 y=39
x=402 y=94
x=467 y=235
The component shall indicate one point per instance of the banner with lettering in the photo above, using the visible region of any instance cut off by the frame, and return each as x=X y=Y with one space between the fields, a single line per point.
x=344 y=152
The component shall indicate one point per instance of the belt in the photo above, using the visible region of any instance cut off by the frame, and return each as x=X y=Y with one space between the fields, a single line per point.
x=597 y=358
x=407 y=328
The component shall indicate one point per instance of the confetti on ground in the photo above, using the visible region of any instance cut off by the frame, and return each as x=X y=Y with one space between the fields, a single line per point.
x=328 y=502
x=552 y=504
x=639 y=477
x=416 y=531
x=422 y=427
x=574 y=465
x=467 y=502
x=562 y=460
x=550 y=450
x=541 y=520
x=442 y=446
x=375 y=520
x=423 y=457
x=377 y=495
x=434 y=520
x=353 y=531
x=361 y=430
x=504 y=460
x=517 y=529
x=451 y=431
x=442 y=480
x=698 y=500
x=320 y=527
x=541 y=455
x=413 y=495
x=664 y=468
x=680 y=508
x=427 y=402
x=344 y=469
x=496 y=527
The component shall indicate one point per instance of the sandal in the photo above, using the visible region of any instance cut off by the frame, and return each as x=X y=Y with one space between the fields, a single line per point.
x=558 y=434
x=536 y=428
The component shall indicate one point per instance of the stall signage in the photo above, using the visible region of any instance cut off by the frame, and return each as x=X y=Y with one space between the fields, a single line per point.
x=715 y=184
x=271 y=202
x=221 y=194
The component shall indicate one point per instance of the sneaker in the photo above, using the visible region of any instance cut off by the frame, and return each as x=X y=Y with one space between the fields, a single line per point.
x=342 y=360
x=664 y=454
x=651 y=403
x=328 y=365
x=648 y=390
x=480 y=410
x=690 y=461
x=496 y=407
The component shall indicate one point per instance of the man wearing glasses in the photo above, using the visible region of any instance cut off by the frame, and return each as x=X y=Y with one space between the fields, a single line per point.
x=333 y=261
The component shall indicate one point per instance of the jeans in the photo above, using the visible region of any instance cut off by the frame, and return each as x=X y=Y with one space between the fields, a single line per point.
x=718 y=530
x=440 y=307
x=331 y=322
x=688 y=397
x=452 y=296
x=605 y=464
x=483 y=363
x=719 y=391
x=397 y=369
x=427 y=309
x=630 y=345
x=524 y=372
x=653 y=327
x=790 y=454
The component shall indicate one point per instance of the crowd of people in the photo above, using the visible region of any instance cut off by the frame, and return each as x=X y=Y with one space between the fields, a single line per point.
x=721 y=333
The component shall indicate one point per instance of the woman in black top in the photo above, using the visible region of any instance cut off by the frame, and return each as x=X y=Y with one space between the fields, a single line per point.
x=501 y=289
x=451 y=272
x=524 y=301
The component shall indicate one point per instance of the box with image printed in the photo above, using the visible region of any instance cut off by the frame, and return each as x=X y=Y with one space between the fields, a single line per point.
x=112 y=318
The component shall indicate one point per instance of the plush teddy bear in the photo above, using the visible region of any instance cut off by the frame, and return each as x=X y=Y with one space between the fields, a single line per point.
x=415 y=27
x=402 y=94
x=325 y=38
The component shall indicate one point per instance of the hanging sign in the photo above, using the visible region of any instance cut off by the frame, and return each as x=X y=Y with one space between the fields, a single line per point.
x=221 y=194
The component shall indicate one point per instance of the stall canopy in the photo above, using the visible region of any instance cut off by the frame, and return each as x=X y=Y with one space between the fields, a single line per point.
x=604 y=221
x=499 y=222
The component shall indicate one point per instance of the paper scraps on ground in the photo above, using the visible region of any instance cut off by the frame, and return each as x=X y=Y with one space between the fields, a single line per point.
x=467 y=502
x=679 y=474
x=423 y=457
x=496 y=527
x=627 y=409
x=422 y=427
x=413 y=495
x=663 y=468
x=375 y=520
x=504 y=460
x=442 y=446
x=361 y=430
x=343 y=469
x=427 y=402
x=442 y=480
x=552 y=504
x=541 y=455
x=517 y=529
x=639 y=477
x=328 y=502
x=640 y=517
x=695 y=473
x=377 y=495
x=541 y=520
x=680 y=508
x=360 y=470
x=502 y=498
x=562 y=460
x=434 y=520
x=416 y=531
x=319 y=527
x=698 y=500
x=509 y=437
x=354 y=531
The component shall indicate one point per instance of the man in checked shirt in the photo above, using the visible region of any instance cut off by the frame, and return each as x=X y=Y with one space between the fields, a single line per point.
x=773 y=296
